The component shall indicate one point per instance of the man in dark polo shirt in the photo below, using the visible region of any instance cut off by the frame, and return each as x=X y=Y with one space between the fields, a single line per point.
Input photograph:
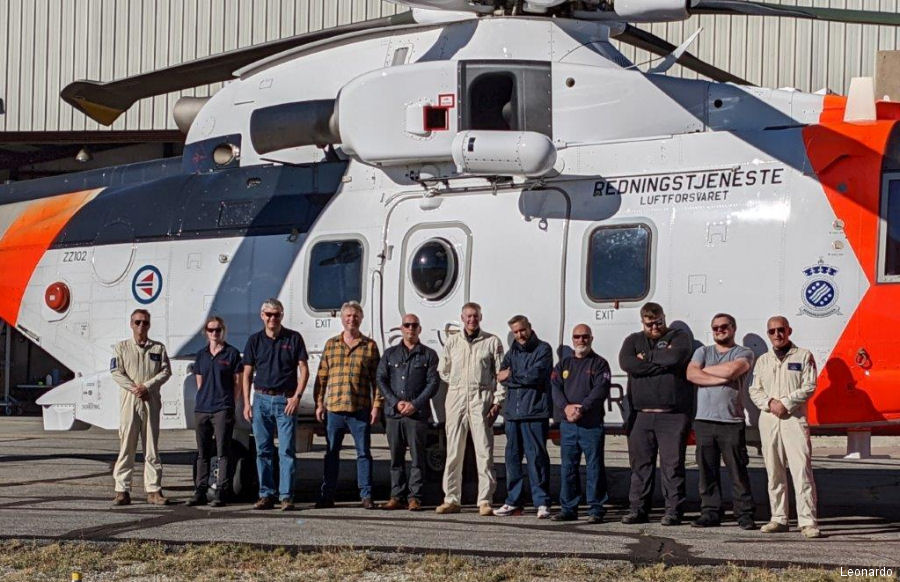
x=408 y=379
x=580 y=385
x=274 y=354
x=218 y=373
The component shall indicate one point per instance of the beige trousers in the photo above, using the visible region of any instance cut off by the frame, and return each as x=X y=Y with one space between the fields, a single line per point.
x=466 y=411
x=786 y=445
x=138 y=418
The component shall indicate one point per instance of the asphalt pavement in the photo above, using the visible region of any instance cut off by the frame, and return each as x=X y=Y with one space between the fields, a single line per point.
x=58 y=486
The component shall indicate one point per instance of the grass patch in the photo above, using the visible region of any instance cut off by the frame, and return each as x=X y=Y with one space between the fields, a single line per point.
x=29 y=560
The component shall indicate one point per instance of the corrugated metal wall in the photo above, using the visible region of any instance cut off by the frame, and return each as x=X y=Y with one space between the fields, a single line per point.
x=786 y=52
x=45 y=44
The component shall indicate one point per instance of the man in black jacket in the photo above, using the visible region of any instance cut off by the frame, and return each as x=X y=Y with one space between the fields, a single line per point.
x=656 y=360
x=580 y=388
x=408 y=379
x=525 y=371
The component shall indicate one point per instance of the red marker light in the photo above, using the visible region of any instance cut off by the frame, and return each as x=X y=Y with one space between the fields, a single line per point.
x=57 y=296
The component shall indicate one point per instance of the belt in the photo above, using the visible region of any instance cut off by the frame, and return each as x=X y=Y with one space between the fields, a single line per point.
x=269 y=392
x=656 y=410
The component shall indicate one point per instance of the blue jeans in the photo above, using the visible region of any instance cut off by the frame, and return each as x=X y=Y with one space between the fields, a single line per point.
x=528 y=437
x=337 y=424
x=575 y=440
x=269 y=417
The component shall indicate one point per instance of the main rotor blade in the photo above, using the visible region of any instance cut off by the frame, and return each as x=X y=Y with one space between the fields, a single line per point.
x=656 y=45
x=105 y=102
x=745 y=7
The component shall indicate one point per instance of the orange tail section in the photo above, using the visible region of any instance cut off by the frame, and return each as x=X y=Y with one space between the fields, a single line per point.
x=27 y=239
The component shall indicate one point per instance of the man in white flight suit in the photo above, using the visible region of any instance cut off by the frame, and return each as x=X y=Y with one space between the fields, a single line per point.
x=140 y=368
x=784 y=378
x=470 y=364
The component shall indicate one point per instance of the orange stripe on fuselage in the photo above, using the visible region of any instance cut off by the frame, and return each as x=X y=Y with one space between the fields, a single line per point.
x=27 y=239
x=847 y=159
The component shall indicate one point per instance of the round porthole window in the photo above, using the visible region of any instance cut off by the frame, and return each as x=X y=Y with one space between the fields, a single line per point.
x=433 y=269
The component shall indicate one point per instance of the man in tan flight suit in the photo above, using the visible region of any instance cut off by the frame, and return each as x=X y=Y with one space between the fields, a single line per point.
x=470 y=364
x=140 y=368
x=784 y=378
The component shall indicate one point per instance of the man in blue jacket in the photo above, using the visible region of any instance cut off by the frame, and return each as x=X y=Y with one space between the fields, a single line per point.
x=408 y=379
x=525 y=371
x=580 y=387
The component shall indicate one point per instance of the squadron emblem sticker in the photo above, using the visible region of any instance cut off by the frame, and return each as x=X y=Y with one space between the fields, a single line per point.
x=819 y=291
x=147 y=284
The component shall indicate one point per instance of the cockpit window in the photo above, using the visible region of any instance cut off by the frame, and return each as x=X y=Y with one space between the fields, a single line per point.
x=890 y=229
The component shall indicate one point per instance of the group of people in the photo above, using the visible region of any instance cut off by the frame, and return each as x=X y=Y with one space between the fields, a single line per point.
x=671 y=387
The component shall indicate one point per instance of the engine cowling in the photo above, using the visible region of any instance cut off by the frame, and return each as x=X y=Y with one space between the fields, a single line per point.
x=652 y=10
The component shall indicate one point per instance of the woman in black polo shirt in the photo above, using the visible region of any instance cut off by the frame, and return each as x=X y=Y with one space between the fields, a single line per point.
x=218 y=371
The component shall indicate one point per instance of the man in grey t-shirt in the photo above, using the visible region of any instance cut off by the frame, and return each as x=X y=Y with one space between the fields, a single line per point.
x=721 y=373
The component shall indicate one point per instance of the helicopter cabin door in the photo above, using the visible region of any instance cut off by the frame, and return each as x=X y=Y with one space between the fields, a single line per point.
x=503 y=250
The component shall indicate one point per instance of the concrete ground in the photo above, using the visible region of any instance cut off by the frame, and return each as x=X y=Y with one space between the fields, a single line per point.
x=58 y=486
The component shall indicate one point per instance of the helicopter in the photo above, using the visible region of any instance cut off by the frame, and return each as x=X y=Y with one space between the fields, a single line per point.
x=504 y=152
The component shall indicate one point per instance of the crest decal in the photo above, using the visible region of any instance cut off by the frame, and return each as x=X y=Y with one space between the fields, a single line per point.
x=819 y=292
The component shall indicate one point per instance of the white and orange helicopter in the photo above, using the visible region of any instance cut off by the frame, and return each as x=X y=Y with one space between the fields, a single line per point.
x=498 y=151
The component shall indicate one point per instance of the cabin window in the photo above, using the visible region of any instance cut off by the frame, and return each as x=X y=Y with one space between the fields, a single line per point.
x=890 y=229
x=618 y=263
x=335 y=274
x=433 y=269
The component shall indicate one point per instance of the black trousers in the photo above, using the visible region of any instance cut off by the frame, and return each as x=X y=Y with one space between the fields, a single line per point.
x=402 y=433
x=665 y=433
x=219 y=425
x=723 y=441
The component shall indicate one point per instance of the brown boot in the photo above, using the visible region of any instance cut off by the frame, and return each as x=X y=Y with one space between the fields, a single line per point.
x=414 y=504
x=157 y=498
x=394 y=503
x=122 y=498
x=264 y=503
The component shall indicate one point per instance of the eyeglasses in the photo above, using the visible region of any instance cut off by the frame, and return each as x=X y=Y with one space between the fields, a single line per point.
x=725 y=327
x=141 y=322
x=271 y=314
x=213 y=330
x=775 y=330
x=657 y=323
x=410 y=324
x=581 y=336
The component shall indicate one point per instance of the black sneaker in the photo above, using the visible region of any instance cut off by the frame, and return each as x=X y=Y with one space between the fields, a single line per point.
x=324 y=504
x=633 y=517
x=746 y=522
x=595 y=519
x=670 y=520
x=564 y=516
x=705 y=520
x=199 y=498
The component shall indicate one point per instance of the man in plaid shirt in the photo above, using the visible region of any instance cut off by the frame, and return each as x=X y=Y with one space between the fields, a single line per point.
x=347 y=400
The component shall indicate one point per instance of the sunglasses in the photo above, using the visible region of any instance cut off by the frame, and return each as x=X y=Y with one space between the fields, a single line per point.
x=725 y=327
x=657 y=323
x=141 y=322
x=774 y=330
x=410 y=324
x=270 y=314
x=213 y=330
x=581 y=336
